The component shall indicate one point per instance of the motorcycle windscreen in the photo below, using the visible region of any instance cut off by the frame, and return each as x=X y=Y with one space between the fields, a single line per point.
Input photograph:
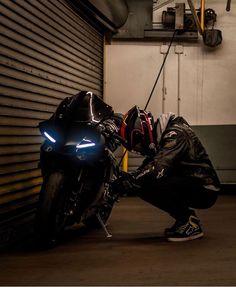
x=90 y=108
x=82 y=108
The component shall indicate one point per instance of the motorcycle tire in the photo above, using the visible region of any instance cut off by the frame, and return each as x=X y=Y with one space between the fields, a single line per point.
x=50 y=217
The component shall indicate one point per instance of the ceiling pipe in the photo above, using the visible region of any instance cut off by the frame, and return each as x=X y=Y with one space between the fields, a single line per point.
x=195 y=17
x=202 y=15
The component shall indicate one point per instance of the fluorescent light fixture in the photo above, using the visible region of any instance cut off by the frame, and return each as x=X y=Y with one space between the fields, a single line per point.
x=49 y=137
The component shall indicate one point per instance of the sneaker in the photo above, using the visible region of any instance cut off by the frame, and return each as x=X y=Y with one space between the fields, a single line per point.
x=170 y=230
x=189 y=230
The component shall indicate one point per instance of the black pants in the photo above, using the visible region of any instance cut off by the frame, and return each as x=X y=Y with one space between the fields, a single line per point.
x=177 y=195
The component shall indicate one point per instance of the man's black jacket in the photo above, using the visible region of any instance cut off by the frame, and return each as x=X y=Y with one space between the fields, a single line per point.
x=179 y=153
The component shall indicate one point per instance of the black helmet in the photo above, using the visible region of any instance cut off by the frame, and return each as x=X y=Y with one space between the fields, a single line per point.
x=136 y=130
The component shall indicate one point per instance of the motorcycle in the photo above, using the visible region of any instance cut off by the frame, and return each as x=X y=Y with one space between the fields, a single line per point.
x=78 y=164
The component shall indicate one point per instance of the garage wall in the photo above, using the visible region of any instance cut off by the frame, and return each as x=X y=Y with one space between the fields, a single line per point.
x=204 y=76
x=197 y=82
x=47 y=53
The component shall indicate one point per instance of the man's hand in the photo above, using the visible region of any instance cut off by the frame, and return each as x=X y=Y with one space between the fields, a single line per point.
x=124 y=184
x=110 y=126
x=145 y=175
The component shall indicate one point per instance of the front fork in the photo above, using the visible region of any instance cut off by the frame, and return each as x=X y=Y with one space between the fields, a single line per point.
x=72 y=206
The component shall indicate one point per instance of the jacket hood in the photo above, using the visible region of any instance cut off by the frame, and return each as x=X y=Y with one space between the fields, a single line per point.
x=162 y=123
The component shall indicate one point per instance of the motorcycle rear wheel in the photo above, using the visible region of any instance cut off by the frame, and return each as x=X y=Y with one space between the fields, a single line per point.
x=50 y=217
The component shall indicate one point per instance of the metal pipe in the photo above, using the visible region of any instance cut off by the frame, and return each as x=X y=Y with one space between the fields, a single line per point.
x=104 y=79
x=202 y=14
x=164 y=49
x=163 y=89
x=178 y=91
x=179 y=49
x=125 y=160
x=195 y=17
x=228 y=5
x=158 y=6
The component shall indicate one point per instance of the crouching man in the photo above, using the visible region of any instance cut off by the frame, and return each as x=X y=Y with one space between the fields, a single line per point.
x=176 y=175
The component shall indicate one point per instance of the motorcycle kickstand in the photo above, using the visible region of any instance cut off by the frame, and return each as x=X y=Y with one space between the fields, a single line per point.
x=108 y=235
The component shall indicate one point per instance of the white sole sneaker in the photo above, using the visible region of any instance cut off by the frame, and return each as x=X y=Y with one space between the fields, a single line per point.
x=182 y=239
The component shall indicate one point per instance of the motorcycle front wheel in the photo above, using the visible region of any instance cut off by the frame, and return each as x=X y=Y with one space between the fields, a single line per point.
x=50 y=215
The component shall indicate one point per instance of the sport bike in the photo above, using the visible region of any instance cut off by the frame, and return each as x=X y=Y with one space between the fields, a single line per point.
x=78 y=164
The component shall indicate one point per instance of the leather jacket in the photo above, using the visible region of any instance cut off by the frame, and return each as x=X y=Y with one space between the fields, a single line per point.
x=179 y=153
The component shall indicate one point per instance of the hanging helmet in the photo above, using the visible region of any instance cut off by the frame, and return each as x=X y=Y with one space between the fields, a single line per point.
x=136 y=130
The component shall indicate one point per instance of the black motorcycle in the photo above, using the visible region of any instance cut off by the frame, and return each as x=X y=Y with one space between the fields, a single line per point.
x=78 y=164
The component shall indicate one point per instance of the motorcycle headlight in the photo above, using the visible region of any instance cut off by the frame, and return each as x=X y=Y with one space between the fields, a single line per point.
x=49 y=137
x=85 y=143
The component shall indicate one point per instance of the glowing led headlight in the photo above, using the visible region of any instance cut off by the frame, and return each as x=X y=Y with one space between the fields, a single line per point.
x=49 y=137
x=85 y=143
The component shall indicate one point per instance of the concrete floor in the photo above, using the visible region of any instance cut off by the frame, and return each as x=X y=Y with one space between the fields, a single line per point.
x=137 y=254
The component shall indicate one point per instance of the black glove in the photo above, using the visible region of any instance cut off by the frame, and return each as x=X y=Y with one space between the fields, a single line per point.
x=124 y=184
x=145 y=175
x=110 y=126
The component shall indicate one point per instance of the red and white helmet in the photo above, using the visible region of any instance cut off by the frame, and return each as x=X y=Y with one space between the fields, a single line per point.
x=136 y=130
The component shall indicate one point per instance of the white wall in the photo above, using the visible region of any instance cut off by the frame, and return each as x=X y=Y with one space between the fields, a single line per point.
x=207 y=76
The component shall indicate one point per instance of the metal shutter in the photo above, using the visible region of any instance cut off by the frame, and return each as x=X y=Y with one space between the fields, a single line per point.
x=48 y=52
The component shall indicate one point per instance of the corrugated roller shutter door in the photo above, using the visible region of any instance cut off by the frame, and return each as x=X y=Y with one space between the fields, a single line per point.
x=47 y=53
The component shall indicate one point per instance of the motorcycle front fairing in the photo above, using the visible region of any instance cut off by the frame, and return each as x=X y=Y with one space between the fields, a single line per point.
x=73 y=130
x=83 y=145
x=84 y=108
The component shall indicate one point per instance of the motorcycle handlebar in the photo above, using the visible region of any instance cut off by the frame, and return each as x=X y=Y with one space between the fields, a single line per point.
x=112 y=133
x=122 y=140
